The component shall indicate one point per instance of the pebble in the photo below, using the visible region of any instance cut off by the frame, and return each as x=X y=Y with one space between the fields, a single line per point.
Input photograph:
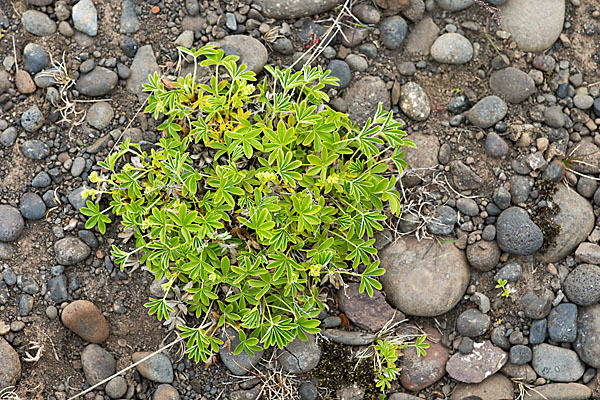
x=98 y=364
x=165 y=392
x=116 y=387
x=517 y=17
x=37 y=23
x=366 y=13
x=357 y=63
x=554 y=116
x=97 y=83
x=425 y=155
x=516 y=232
x=472 y=323
x=32 y=119
x=583 y=101
x=35 y=58
x=502 y=198
x=464 y=178
x=522 y=373
x=32 y=206
x=250 y=50
x=588 y=252
x=100 y=115
x=299 y=356
x=562 y=323
x=483 y=255
x=78 y=166
x=520 y=188
x=76 y=199
x=576 y=219
x=419 y=372
x=520 y=354
x=485 y=360
x=85 y=17
x=512 y=84
x=25 y=304
x=144 y=64
x=241 y=363
x=186 y=39
x=11 y=365
x=495 y=146
x=537 y=331
x=416 y=283
x=8 y=136
x=487 y=112
x=363 y=97
x=452 y=48
x=157 y=368
x=11 y=223
x=129 y=19
x=510 y=273
x=421 y=37
x=393 y=31
x=588 y=327
x=414 y=101
x=340 y=70
x=557 y=363
x=51 y=312
x=6 y=252
x=57 y=287
x=71 y=250
x=86 y=321
x=443 y=222
x=129 y=46
x=24 y=83
x=284 y=46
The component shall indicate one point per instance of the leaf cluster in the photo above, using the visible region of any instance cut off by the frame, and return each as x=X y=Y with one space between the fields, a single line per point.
x=292 y=197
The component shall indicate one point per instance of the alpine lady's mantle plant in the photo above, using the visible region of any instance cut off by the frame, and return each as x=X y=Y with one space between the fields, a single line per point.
x=291 y=195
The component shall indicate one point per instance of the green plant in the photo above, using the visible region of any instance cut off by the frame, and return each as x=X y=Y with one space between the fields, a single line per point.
x=292 y=192
x=506 y=290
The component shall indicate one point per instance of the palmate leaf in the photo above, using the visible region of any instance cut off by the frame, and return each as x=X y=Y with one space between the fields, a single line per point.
x=96 y=217
x=367 y=278
x=159 y=307
x=278 y=332
x=261 y=222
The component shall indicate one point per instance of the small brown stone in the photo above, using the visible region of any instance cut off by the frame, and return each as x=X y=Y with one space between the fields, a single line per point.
x=85 y=319
x=165 y=392
x=24 y=82
x=370 y=313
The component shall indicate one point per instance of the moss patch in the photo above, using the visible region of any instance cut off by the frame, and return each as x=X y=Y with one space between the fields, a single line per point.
x=337 y=369
x=543 y=216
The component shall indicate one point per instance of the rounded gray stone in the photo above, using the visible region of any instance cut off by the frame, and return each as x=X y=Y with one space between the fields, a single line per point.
x=472 y=323
x=587 y=343
x=32 y=206
x=98 y=364
x=512 y=84
x=299 y=356
x=292 y=9
x=157 y=368
x=452 y=48
x=85 y=17
x=71 y=250
x=582 y=285
x=37 y=23
x=557 y=363
x=516 y=233
x=393 y=31
x=11 y=223
x=414 y=102
x=99 y=82
x=487 y=112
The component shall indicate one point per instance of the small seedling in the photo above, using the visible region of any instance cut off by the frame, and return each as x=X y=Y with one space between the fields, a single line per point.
x=506 y=290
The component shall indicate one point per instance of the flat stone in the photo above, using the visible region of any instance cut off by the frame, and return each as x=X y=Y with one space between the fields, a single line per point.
x=463 y=177
x=562 y=323
x=534 y=24
x=37 y=23
x=423 y=156
x=98 y=364
x=370 y=313
x=522 y=373
x=165 y=392
x=130 y=22
x=393 y=31
x=99 y=82
x=100 y=115
x=576 y=220
x=349 y=338
x=292 y=9
x=157 y=368
x=513 y=85
x=86 y=321
x=454 y=5
x=557 y=363
x=496 y=387
x=560 y=391
x=299 y=356
x=484 y=361
x=144 y=64
x=424 y=280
